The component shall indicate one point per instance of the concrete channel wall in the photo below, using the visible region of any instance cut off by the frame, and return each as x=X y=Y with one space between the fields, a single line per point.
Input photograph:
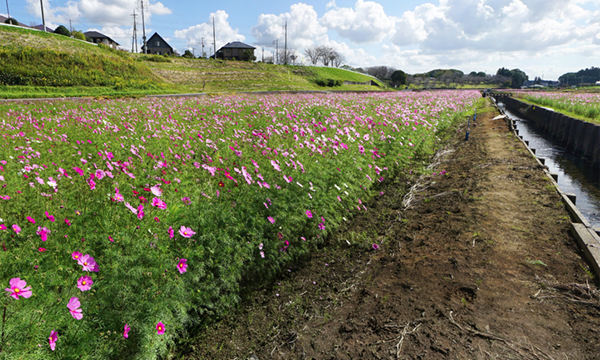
x=587 y=238
x=580 y=137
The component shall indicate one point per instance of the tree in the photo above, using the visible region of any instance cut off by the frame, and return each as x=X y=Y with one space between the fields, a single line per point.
x=248 y=55
x=518 y=78
x=188 y=54
x=399 y=77
x=11 y=21
x=339 y=59
x=381 y=72
x=312 y=55
x=62 y=31
x=78 y=35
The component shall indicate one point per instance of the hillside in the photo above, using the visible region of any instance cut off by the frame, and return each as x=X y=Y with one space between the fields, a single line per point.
x=37 y=64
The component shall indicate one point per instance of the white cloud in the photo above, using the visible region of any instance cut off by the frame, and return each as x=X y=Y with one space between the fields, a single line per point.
x=367 y=23
x=225 y=33
x=96 y=12
x=304 y=29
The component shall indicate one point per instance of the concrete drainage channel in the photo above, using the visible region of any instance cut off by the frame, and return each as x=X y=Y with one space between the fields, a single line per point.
x=586 y=236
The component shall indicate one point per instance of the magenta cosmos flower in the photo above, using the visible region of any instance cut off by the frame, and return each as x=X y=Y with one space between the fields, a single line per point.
x=182 y=266
x=159 y=203
x=309 y=214
x=74 y=308
x=171 y=232
x=52 y=339
x=160 y=328
x=375 y=247
x=186 y=232
x=16 y=228
x=43 y=232
x=31 y=220
x=140 y=212
x=271 y=220
x=88 y=263
x=18 y=288
x=126 y=331
x=76 y=255
x=85 y=283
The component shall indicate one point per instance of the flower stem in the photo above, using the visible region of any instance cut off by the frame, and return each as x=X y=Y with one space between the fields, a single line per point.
x=3 y=323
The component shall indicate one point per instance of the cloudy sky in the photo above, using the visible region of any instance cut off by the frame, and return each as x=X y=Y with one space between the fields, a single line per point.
x=542 y=37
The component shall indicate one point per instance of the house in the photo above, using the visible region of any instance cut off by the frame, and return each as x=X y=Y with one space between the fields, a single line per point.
x=99 y=38
x=158 y=46
x=236 y=50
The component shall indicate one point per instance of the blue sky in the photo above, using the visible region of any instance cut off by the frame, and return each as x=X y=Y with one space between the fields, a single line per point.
x=542 y=37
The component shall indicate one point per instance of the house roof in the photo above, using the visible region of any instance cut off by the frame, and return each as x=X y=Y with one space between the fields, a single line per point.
x=97 y=35
x=155 y=36
x=237 y=45
x=41 y=26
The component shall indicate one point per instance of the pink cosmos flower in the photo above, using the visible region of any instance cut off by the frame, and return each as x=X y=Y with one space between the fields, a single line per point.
x=88 y=263
x=31 y=220
x=92 y=184
x=43 y=233
x=140 y=212
x=18 y=288
x=309 y=214
x=41 y=249
x=50 y=217
x=271 y=220
x=126 y=331
x=111 y=239
x=186 y=232
x=85 y=283
x=100 y=174
x=322 y=226
x=74 y=308
x=67 y=222
x=171 y=232
x=160 y=328
x=2 y=227
x=262 y=254
x=156 y=190
x=131 y=208
x=287 y=178
x=76 y=255
x=159 y=203
x=16 y=228
x=119 y=197
x=375 y=247
x=52 y=339
x=182 y=266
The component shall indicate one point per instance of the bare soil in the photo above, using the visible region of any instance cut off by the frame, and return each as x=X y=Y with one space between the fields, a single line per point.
x=480 y=266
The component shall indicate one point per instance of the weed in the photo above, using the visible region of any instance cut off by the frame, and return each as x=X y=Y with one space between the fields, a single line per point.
x=535 y=262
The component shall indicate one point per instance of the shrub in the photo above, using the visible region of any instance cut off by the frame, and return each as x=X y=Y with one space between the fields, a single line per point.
x=11 y=21
x=62 y=31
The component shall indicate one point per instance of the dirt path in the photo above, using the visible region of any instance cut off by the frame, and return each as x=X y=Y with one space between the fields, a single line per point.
x=481 y=266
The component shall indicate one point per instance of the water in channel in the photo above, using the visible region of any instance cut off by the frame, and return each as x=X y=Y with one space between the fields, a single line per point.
x=575 y=175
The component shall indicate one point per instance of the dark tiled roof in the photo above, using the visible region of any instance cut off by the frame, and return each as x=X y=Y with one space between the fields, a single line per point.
x=97 y=35
x=237 y=45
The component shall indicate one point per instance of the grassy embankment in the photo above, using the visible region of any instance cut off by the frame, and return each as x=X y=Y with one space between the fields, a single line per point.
x=38 y=64
x=589 y=112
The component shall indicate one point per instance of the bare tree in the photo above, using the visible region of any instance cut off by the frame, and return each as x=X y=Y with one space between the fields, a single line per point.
x=324 y=54
x=339 y=59
x=313 y=55
x=381 y=72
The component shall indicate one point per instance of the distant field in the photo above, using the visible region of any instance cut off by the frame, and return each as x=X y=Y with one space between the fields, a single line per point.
x=581 y=105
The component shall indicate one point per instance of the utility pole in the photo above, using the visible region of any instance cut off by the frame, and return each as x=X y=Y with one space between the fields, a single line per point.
x=214 y=39
x=7 y=9
x=70 y=26
x=263 y=54
x=194 y=52
x=276 y=57
x=134 y=39
x=43 y=20
x=285 y=54
x=203 y=47
x=144 y=29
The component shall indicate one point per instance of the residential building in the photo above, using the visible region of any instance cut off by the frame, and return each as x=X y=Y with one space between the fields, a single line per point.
x=158 y=46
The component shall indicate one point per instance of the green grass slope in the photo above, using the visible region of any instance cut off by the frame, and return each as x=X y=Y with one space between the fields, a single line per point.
x=38 y=64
